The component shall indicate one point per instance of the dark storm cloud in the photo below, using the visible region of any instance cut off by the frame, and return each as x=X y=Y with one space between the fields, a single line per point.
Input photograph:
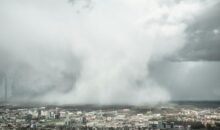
x=193 y=72
x=203 y=42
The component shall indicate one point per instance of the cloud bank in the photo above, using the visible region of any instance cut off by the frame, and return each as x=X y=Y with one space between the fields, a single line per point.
x=92 y=51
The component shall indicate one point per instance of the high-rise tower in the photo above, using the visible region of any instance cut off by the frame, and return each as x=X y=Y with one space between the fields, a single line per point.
x=6 y=87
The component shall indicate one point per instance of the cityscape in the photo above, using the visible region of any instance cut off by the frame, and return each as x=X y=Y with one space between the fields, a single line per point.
x=109 y=64
x=187 y=116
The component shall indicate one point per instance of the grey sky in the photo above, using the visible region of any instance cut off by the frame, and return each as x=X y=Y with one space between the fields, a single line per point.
x=110 y=52
x=192 y=73
x=203 y=37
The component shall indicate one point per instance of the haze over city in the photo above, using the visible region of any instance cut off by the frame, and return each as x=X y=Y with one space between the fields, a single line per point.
x=129 y=52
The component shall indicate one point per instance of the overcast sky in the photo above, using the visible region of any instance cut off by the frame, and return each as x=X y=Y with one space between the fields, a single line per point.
x=110 y=52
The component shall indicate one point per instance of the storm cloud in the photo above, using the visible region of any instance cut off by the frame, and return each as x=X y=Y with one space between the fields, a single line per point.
x=203 y=37
x=192 y=73
x=107 y=52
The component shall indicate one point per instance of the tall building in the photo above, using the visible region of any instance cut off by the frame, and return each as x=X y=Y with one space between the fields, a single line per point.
x=3 y=79
x=6 y=87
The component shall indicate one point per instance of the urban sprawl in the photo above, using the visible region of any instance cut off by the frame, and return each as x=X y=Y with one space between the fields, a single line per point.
x=127 y=118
